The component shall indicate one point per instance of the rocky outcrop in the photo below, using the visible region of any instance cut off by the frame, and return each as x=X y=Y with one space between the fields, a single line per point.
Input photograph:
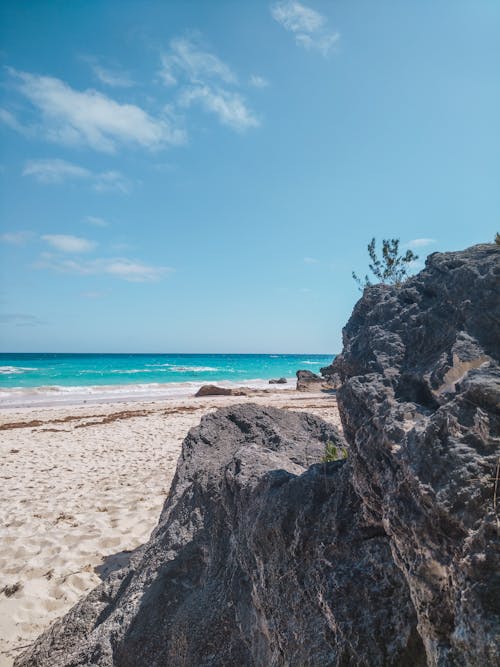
x=330 y=376
x=261 y=556
x=308 y=381
x=214 y=390
x=420 y=407
x=264 y=555
x=278 y=381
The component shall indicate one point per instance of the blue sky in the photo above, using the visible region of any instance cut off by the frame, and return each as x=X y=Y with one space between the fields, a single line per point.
x=204 y=176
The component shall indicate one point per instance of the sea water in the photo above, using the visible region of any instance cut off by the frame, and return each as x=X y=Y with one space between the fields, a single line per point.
x=27 y=379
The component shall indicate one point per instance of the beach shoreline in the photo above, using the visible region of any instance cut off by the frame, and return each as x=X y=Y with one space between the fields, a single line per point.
x=83 y=485
x=74 y=395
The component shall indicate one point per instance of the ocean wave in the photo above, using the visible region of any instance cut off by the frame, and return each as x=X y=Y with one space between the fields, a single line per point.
x=118 y=371
x=187 y=369
x=312 y=363
x=158 y=368
x=194 y=369
x=130 y=370
x=12 y=370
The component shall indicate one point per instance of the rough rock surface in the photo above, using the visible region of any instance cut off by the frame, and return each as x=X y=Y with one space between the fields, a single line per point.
x=264 y=556
x=420 y=408
x=214 y=390
x=331 y=376
x=308 y=381
x=278 y=381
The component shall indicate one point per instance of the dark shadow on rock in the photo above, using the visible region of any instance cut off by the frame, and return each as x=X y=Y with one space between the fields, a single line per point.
x=112 y=563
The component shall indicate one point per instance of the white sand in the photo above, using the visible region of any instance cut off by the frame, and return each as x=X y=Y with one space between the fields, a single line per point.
x=83 y=486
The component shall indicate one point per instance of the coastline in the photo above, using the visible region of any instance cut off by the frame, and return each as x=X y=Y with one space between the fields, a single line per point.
x=59 y=395
x=83 y=484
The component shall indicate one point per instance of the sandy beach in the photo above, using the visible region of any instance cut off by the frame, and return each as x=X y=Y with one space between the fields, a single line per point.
x=83 y=485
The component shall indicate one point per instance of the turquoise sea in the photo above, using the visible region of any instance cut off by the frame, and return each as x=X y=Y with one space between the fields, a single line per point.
x=36 y=378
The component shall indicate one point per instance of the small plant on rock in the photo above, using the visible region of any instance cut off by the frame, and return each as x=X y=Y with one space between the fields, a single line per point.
x=391 y=268
x=333 y=453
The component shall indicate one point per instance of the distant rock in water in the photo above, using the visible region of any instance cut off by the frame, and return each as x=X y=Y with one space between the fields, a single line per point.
x=278 y=381
x=264 y=555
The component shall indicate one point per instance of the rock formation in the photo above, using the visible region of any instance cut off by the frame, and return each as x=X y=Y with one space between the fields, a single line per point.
x=214 y=390
x=263 y=555
x=420 y=406
x=278 y=381
x=308 y=381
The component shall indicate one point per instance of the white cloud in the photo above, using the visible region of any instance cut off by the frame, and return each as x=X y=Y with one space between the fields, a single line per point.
x=186 y=60
x=135 y=271
x=95 y=221
x=112 y=181
x=8 y=118
x=109 y=76
x=54 y=171
x=228 y=106
x=297 y=17
x=307 y=25
x=113 y=78
x=123 y=268
x=205 y=79
x=16 y=238
x=68 y=243
x=420 y=243
x=258 y=81
x=311 y=260
x=90 y=118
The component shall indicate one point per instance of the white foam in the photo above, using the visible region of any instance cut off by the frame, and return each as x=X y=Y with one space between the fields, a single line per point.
x=18 y=397
x=130 y=370
x=158 y=368
x=187 y=369
x=194 y=369
x=11 y=370
x=160 y=365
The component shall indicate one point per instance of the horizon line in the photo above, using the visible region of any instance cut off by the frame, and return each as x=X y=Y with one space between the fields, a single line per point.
x=288 y=354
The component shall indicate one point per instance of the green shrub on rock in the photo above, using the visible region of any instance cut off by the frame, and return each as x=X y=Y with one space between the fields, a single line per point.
x=334 y=453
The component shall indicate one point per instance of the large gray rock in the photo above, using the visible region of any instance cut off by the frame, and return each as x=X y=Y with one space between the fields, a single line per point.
x=420 y=409
x=263 y=555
